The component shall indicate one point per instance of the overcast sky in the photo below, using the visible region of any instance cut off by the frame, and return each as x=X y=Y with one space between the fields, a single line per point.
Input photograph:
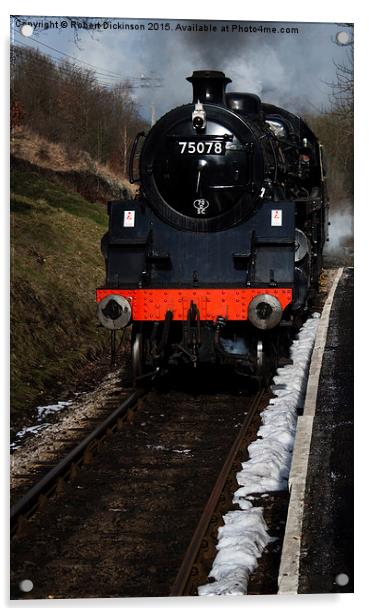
x=289 y=69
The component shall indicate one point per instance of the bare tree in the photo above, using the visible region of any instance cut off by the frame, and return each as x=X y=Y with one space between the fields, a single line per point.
x=335 y=127
x=66 y=103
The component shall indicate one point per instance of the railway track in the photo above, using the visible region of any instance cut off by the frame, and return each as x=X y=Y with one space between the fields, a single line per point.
x=136 y=505
x=201 y=551
x=53 y=482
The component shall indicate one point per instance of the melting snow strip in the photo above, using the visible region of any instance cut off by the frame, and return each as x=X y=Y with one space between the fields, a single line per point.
x=244 y=535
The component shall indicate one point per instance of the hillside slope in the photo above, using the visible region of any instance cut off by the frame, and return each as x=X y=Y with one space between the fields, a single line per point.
x=74 y=169
x=56 y=265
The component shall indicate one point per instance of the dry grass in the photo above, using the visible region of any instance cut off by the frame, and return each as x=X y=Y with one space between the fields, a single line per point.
x=30 y=146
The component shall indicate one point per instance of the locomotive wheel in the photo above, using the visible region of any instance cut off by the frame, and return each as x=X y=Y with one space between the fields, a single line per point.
x=137 y=357
x=266 y=361
x=260 y=356
x=262 y=363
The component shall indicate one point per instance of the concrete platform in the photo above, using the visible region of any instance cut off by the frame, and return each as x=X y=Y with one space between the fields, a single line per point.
x=317 y=554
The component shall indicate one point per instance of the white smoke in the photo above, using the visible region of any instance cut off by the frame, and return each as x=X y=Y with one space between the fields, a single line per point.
x=288 y=70
x=341 y=232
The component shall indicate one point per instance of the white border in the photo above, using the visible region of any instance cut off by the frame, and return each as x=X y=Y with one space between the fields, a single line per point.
x=289 y=10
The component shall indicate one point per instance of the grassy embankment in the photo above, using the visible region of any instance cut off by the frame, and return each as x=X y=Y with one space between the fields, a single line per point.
x=56 y=265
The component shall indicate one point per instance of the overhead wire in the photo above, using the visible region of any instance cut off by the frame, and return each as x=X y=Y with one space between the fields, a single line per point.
x=105 y=73
x=65 y=71
x=133 y=83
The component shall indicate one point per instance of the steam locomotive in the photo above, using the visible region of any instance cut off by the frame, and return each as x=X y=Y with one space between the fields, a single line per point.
x=221 y=250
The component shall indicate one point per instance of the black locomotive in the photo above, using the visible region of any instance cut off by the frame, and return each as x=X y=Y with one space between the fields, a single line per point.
x=222 y=248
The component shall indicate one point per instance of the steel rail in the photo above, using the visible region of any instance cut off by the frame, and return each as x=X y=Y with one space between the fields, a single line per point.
x=28 y=503
x=182 y=580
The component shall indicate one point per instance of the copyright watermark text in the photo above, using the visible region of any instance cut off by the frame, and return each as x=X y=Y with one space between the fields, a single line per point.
x=155 y=26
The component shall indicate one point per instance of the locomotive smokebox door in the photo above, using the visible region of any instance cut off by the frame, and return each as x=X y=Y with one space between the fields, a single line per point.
x=202 y=165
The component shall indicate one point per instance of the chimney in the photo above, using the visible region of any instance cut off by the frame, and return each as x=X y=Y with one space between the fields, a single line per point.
x=209 y=86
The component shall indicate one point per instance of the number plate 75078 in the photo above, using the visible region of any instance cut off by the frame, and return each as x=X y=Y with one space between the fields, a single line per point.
x=201 y=147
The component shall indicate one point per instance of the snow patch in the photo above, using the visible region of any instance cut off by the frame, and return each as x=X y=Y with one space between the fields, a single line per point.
x=244 y=535
x=50 y=409
x=41 y=413
x=24 y=432
x=162 y=448
x=241 y=542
